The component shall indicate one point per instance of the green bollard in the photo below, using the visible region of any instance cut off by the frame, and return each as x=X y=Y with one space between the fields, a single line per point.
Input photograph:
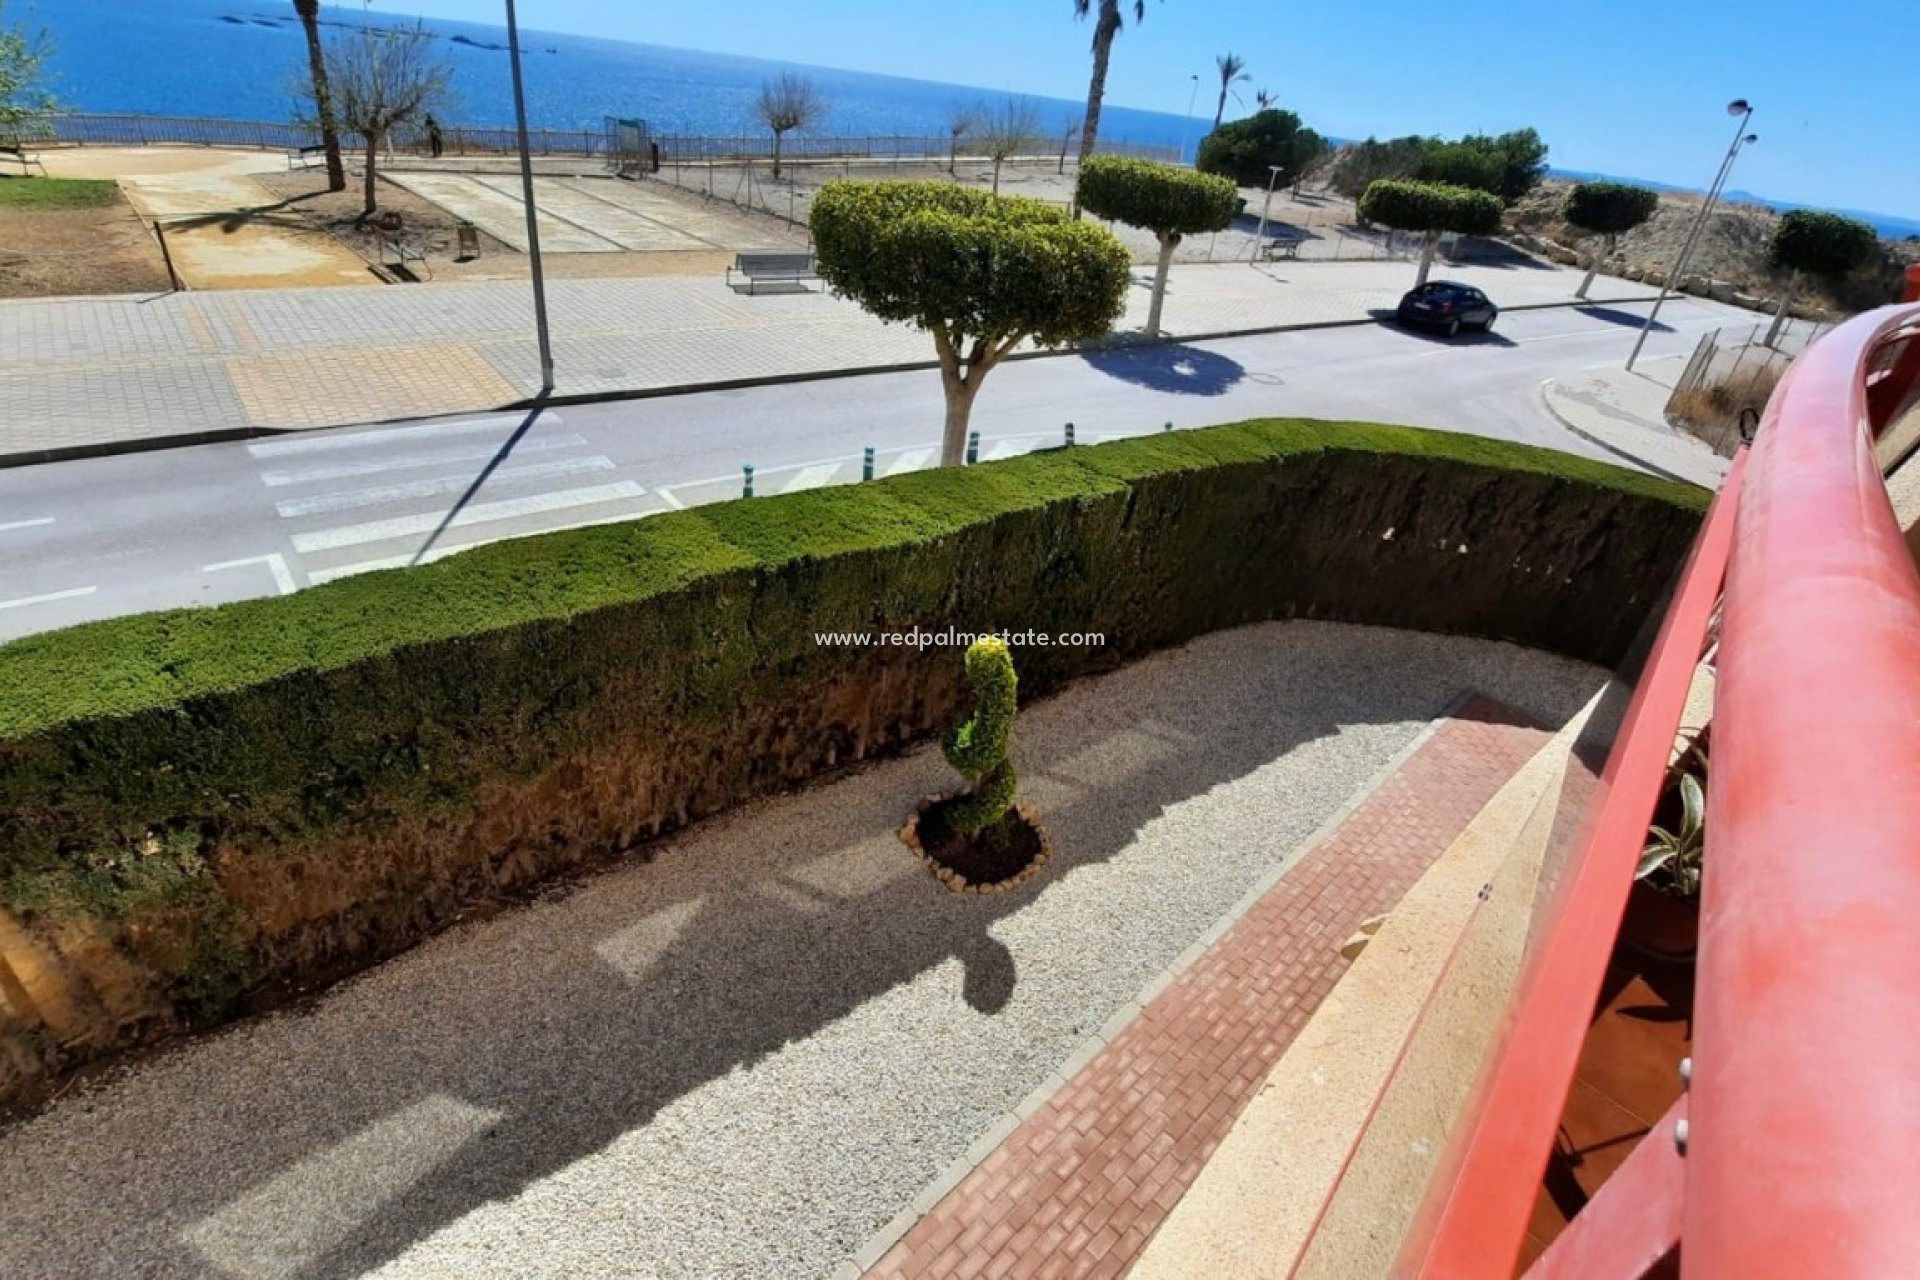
x=866 y=465
x=746 y=490
x=1069 y=434
x=1168 y=427
x=973 y=447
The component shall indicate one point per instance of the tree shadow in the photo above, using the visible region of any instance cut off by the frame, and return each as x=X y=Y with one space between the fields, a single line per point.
x=1613 y=315
x=570 y=1024
x=1170 y=367
x=1387 y=318
x=1481 y=252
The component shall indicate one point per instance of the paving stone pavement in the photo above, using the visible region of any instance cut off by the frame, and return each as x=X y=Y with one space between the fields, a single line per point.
x=1080 y=1185
x=96 y=374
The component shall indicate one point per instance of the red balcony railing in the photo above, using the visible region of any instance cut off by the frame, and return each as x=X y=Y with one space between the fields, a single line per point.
x=1802 y=1119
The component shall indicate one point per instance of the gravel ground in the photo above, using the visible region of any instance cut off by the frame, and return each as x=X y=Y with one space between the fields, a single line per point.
x=741 y=1058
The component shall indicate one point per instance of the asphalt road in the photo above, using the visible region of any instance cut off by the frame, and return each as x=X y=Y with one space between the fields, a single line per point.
x=105 y=537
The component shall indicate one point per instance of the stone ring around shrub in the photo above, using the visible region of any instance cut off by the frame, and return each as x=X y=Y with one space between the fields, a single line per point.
x=1026 y=849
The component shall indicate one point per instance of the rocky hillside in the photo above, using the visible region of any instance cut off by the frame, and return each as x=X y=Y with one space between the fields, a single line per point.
x=1730 y=261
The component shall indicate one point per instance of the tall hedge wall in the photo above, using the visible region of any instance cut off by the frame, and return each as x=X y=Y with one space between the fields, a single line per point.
x=202 y=804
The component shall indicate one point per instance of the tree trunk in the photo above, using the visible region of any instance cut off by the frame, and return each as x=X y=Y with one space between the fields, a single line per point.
x=309 y=11
x=1426 y=258
x=1167 y=246
x=373 y=153
x=1220 y=112
x=777 y=136
x=996 y=175
x=1593 y=267
x=953 y=158
x=1106 y=27
x=953 y=441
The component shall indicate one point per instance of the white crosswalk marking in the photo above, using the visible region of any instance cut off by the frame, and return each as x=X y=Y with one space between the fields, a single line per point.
x=911 y=460
x=811 y=478
x=333 y=442
x=35 y=523
x=407 y=462
x=320 y=503
x=276 y=565
x=478 y=513
x=23 y=601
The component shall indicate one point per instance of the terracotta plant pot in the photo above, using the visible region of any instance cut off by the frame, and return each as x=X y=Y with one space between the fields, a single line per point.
x=1660 y=925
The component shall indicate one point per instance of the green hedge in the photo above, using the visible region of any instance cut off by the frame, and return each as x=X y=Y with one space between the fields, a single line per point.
x=292 y=786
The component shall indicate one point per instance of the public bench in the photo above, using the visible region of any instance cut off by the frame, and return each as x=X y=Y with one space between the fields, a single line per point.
x=1285 y=248
x=405 y=256
x=24 y=158
x=790 y=267
x=304 y=157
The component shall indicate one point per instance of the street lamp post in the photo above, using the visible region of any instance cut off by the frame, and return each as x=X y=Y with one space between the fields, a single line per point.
x=1260 y=236
x=1741 y=110
x=526 y=193
x=1186 y=125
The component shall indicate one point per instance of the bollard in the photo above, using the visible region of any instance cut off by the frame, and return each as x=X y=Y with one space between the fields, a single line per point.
x=1069 y=433
x=973 y=447
x=866 y=465
x=1168 y=427
x=746 y=489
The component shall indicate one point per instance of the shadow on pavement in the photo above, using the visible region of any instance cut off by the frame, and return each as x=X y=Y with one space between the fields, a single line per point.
x=1613 y=315
x=1387 y=319
x=1170 y=367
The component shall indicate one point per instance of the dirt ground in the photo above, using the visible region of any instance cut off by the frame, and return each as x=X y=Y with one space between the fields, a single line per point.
x=50 y=253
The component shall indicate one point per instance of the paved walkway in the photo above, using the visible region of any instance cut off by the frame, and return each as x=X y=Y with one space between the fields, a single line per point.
x=745 y=1053
x=1624 y=412
x=1079 y=1187
x=98 y=374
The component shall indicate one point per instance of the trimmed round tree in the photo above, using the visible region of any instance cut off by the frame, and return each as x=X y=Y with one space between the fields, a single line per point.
x=1814 y=242
x=1431 y=208
x=1172 y=203
x=981 y=273
x=1245 y=150
x=1606 y=209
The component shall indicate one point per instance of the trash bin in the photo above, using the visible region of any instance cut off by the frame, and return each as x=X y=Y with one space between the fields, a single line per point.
x=469 y=236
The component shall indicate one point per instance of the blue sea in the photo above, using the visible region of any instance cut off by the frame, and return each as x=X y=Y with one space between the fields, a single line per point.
x=238 y=59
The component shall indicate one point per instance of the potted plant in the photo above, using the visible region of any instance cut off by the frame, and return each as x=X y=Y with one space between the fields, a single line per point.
x=1663 y=908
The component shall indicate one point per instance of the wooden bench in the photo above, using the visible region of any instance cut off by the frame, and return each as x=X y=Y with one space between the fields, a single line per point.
x=405 y=256
x=24 y=158
x=790 y=267
x=303 y=157
x=1285 y=248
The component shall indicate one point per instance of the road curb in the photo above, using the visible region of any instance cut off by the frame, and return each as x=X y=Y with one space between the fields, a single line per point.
x=187 y=440
x=1612 y=447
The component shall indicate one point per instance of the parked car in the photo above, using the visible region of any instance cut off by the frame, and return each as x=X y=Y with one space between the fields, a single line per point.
x=1448 y=305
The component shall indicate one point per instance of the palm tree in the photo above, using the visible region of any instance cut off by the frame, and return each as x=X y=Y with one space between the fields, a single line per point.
x=309 y=11
x=1262 y=99
x=1233 y=70
x=1106 y=25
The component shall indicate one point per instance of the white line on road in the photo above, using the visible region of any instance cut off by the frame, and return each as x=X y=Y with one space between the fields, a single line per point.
x=276 y=565
x=445 y=458
x=34 y=523
x=319 y=576
x=911 y=460
x=667 y=496
x=319 y=503
x=810 y=478
x=1001 y=449
x=48 y=598
x=480 y=513
x=333 y=441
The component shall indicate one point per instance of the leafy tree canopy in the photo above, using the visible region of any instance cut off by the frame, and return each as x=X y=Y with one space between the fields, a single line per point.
x=1167 y=201
x=1609 y=208
x=1430 y=206
x=1820 y=243
x=1244 y=149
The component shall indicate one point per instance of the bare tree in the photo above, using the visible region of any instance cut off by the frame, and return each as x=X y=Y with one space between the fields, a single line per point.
x=786 y=103
x=309 y=11
x=1067 y=135
x=958 y=125
x=1007 y=128
x=1233 y=70
x=384 y=81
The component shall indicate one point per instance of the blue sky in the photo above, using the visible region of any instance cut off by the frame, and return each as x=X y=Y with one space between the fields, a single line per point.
x=1630 y=87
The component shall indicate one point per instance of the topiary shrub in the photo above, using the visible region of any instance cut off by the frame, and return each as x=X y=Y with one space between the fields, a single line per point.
x=978 y=748
x=1172 y=203
x=1430 y=207
x=1606 y=209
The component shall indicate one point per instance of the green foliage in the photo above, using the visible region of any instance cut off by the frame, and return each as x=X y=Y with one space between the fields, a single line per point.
x=1430 y=206
x=1609 y=208
x=1167 y=201
x=958 y=261
x=1242 y=150
x=1673 y=861
x=1821 y=243
x=40 y=194
x=23 y=95
x=1359 y=165
x=978 y=747
x=1518 y=161
x=1507 y=166
x=1461 y=164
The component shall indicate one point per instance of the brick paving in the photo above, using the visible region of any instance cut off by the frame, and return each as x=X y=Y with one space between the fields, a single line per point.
x=1081 y=1185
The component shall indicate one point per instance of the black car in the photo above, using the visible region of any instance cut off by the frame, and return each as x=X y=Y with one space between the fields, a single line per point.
x=1449 y=305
